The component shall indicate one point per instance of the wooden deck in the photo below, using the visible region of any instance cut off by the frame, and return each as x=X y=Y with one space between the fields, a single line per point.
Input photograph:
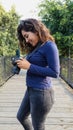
x=11 y=94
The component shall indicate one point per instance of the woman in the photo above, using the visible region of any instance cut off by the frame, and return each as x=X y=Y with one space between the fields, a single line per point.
x=42 y=64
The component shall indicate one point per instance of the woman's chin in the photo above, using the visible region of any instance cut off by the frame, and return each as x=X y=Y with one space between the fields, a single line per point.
x=32 y=44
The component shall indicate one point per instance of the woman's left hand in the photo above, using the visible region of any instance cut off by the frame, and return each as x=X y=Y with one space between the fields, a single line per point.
x=23 y=64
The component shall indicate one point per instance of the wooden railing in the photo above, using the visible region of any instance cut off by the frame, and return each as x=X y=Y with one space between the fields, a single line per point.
x=67 y=70
x=5 y=69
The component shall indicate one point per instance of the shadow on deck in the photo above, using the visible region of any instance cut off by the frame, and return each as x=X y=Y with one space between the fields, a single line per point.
x=12 y=92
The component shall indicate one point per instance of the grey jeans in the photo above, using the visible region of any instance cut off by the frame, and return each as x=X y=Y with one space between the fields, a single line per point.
x=38 y=103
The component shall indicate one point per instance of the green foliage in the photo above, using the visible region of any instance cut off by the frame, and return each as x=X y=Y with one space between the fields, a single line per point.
x=8 y=35
x=58 y=17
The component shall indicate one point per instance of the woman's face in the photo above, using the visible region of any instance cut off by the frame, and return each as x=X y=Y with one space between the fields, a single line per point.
x=30 y=37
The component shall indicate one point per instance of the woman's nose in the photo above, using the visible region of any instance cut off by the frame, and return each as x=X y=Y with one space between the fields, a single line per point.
x=26 y=40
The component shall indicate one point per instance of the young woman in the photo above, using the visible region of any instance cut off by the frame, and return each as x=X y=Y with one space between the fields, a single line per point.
x=42 y=64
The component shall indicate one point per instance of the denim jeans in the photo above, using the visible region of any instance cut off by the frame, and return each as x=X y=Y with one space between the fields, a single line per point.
x=38 y=103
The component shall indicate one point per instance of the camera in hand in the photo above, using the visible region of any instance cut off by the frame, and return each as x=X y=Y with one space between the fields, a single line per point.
x=15 y=69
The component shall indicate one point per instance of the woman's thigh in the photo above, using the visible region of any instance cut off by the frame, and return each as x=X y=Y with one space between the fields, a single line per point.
x=41 y=103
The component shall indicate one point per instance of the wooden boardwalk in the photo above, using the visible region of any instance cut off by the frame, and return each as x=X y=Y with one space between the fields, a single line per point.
x=11 y=94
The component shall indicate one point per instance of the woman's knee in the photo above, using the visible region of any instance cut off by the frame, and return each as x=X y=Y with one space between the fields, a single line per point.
x=18 y=116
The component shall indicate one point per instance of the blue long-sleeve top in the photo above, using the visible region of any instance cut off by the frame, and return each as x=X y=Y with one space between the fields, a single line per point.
x=44 y=66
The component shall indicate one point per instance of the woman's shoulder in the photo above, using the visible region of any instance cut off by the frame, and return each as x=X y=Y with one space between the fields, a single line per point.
x=50 y=44
x=49 y=47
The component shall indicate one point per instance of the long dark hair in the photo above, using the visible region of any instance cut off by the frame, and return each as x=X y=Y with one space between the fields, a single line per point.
x=34 y=26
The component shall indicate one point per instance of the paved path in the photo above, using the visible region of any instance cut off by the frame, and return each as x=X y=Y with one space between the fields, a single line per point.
x=11 y=94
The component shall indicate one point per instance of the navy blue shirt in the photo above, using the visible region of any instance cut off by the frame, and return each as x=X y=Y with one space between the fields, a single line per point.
x=44 y=66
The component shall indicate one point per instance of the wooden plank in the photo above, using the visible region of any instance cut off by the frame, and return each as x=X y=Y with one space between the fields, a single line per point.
x=12 y=92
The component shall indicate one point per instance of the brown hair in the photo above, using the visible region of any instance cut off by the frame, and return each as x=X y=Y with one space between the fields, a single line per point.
x=34 y=26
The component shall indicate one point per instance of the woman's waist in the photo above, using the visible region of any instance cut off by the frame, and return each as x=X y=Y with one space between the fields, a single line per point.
x=29 y=88
x=38 y=82
x=40 y=79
